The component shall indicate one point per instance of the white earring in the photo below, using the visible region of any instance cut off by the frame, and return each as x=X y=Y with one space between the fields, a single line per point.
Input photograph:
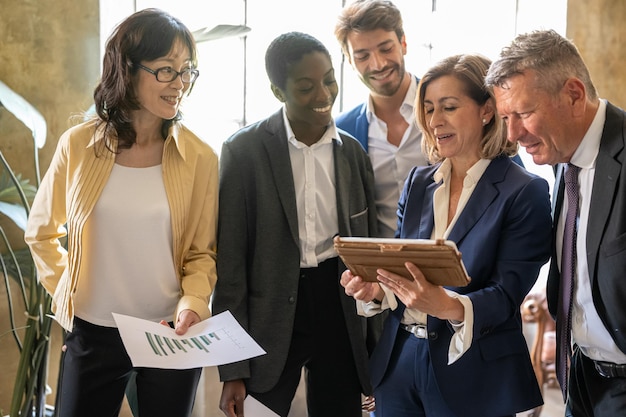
x=484 y=122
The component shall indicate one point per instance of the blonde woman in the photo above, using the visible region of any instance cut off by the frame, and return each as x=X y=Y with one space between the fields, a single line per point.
x=460 y=352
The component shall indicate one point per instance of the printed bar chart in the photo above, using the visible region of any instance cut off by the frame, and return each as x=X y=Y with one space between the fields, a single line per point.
x=162 y=345
x=215 y=341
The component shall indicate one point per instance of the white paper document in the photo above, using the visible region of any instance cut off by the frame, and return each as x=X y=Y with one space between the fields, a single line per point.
x=214 y=341
x=253 y=407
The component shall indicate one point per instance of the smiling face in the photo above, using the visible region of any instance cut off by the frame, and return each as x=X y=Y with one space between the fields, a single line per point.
x=378 y=57
x=536 y=120
x=161 y=100
x=309 y=94
x=454 y=119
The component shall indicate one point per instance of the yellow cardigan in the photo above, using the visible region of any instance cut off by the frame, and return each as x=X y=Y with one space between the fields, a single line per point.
x=70 y=188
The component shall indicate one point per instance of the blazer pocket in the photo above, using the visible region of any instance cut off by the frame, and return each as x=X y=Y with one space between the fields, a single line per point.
x=614 y=247
x=359 y=223
x=502 y=344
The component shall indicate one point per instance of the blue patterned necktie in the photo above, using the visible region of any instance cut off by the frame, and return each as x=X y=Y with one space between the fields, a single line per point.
x=568 y=270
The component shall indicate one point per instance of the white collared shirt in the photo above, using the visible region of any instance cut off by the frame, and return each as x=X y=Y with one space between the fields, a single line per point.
x=392 y=163
x=588 y=331
x=313 y=169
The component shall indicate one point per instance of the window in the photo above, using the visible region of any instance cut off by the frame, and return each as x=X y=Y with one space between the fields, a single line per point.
x=233 y=89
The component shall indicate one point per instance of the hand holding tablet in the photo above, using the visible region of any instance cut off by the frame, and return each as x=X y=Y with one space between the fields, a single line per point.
x=439 y=260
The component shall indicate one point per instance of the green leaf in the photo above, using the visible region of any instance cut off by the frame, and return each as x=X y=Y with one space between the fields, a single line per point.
x=9 y=192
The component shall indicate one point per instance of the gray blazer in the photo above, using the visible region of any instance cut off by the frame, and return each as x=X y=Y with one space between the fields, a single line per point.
x=606 y=230
x=258 y=262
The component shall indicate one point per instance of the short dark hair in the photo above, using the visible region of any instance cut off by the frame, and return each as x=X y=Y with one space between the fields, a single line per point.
x=286 y=50
x=146 y=35
x=365 y=16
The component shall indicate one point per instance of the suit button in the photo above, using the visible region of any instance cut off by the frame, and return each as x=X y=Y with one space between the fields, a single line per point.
x=292 y=300
x=433 y=335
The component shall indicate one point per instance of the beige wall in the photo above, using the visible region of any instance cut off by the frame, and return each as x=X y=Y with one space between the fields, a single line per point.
x=49 y=54
x=596 y=27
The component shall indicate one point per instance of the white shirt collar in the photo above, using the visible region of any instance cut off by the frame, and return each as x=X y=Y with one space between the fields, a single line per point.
x=328 y=136
x=406 y=109
x=472 y=176
x=586 y=153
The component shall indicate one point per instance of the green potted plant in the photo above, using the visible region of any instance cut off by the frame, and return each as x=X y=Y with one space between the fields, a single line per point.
x=33 y=339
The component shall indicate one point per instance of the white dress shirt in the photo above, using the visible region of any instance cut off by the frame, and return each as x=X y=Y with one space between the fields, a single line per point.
x=392 y=163
x=313 y=170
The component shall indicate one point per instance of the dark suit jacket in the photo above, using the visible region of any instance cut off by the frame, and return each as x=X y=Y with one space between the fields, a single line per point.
x=258 y=263
x=606 y=230
x=503 y=235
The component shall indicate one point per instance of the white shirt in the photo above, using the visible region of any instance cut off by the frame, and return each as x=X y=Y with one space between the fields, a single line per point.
x=313 y=170
x=392 y=163
x=463 y=336
x=588 y=331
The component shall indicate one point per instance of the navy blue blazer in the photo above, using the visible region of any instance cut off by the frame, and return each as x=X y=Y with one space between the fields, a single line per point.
x=504 y=236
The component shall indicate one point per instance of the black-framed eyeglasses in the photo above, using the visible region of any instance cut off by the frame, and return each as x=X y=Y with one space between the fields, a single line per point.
x=169 y=74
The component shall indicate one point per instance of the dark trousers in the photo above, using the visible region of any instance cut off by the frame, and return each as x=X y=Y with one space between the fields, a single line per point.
x=592 y=395
x=321 y=346
x=96 y=369
x=409 y=388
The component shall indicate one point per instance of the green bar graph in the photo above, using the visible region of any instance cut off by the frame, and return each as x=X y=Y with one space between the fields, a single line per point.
x=165 y=346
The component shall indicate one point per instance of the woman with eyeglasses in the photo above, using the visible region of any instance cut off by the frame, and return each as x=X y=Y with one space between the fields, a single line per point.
x=135 y=193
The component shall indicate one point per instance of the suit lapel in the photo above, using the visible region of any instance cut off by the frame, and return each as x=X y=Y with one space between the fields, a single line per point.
x=277 y=148
x=604 y=183
x=482 y=197
x=557 y=206
x=559 y=187
x=343 y=179
x=362 y=127
x=427 y=220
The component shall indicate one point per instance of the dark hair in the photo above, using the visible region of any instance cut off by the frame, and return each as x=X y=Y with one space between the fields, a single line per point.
x=365 y=16
x=146 y=35
x=286 y=50
x=470 y=69
x=552 y=57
